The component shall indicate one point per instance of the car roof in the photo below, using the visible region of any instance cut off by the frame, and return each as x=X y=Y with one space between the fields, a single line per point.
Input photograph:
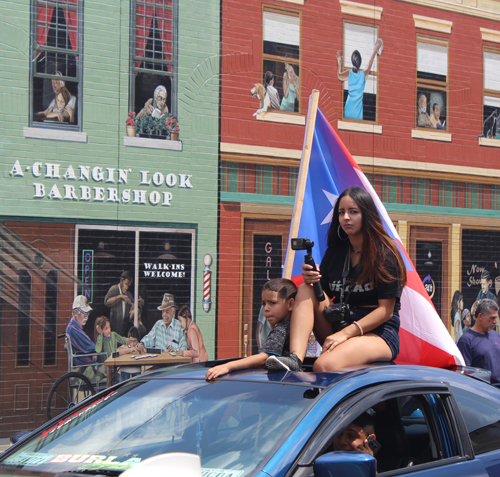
x=375 y=372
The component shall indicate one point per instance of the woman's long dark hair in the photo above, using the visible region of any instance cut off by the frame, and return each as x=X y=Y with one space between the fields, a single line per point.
x=457 y=296
x=376 y=241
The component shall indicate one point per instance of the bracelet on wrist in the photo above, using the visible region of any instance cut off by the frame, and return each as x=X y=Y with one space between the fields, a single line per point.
x=359 y=327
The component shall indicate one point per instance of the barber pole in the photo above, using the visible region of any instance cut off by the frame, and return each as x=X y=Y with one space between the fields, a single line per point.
x=207 y=277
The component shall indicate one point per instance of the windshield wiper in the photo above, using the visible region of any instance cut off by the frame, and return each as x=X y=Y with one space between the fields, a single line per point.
x=95 y=472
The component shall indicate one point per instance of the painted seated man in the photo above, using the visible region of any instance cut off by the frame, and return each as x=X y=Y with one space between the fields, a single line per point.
x=166 y=333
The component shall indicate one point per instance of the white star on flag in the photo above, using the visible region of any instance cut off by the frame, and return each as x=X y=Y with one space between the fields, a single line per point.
x=332 y=198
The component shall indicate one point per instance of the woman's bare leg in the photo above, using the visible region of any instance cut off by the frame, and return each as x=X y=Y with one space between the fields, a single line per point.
x=304 y=316
x=355 y=351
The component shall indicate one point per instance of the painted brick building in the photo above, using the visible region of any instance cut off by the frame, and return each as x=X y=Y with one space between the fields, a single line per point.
x=426 y=137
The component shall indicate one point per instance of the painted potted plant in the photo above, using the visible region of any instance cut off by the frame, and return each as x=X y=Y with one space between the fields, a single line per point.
x=172 y=128
x=131 y=124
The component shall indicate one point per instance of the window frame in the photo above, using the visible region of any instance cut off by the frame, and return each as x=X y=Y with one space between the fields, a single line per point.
x=428 y=84
x=376 y=26
x=353 y=405
x=281 y=59
x=175 y=58
x=475 y=450
x=489 y=92
x=34 y=47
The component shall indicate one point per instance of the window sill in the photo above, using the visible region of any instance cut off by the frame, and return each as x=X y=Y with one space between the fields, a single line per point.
x=55 y=134
x=359 y=127
x=296 y=2
x=282 y=118
x=152 y=143
x=486 y=141
x=430 y=135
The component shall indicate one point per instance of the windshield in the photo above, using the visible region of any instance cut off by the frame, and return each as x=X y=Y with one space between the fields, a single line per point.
x=233 y=426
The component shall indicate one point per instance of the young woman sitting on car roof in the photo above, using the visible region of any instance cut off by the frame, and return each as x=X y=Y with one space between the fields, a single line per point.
x=364 y=261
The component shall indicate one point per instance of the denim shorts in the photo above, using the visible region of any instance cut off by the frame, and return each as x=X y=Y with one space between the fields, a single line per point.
x=388 y=331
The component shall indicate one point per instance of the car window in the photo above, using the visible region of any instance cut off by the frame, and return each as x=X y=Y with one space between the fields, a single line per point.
x=482 y=419
x=231 y=425
x=412 y=430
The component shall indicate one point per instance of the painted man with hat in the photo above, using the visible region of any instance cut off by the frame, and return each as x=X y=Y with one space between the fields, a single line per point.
x=166 y=333
x=80 y=341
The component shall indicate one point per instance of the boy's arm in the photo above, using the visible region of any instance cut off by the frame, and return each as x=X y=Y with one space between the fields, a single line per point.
x=99 y=344
x=254 y=361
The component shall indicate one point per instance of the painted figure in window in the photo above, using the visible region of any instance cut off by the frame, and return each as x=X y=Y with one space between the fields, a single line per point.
x=356 y=78
x=466 y=320
x=423 y=119
x=157 y=105
x=66 y=111
x=434 y=118
x=290 y=88
x=271 y=91
x=120 y=301
x=485 y=287
x=457 y=305
x=196 y=348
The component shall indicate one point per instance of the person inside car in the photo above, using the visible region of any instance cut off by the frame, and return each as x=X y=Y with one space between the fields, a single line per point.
x=354 y=438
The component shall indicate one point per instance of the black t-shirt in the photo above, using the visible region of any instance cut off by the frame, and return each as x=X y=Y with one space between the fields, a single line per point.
x=334 y=263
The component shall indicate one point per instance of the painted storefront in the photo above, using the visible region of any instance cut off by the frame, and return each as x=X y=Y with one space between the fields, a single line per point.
x=83 y=199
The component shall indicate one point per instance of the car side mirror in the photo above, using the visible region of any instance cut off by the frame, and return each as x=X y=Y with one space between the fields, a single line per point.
x=345 y=463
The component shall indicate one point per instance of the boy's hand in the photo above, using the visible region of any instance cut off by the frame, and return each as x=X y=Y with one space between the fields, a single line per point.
x=127 y=341
x=98 y=329
x=217 y=371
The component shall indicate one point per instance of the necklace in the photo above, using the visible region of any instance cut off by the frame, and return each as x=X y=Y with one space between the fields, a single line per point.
x=355 y=251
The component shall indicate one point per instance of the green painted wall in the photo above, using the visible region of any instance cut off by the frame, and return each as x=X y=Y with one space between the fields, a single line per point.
x=105 y=106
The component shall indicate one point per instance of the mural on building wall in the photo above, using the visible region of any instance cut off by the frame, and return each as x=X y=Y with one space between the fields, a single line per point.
x=164 y=262
x=355 y=80
x=62 y=106
x=431 y=111
x=491 y=95
x=55 y=71
x=480 y=275
x=280 y=87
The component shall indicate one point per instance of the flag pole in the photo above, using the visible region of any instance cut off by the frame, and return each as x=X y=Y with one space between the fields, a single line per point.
x=301 y=180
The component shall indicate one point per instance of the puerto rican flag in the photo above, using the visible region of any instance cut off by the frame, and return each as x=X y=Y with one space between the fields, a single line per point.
x=424 y=338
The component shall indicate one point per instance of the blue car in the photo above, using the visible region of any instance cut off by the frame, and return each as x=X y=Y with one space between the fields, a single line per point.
x=427 y=422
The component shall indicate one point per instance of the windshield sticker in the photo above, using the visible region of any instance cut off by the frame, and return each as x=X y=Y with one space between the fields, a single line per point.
x=29 y=458
x=221 y=472
x=70 y=418
x=111 y=464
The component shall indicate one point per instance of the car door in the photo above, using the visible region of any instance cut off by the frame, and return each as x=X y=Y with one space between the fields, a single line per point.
x=419 y=427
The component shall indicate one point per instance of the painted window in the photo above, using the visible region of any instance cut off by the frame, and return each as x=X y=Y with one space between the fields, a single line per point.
x=281 y=60
x=491 y=97
x=358 y=69
x=431 y=102
x=56 y=64
x=153 y=85
x=159 y=261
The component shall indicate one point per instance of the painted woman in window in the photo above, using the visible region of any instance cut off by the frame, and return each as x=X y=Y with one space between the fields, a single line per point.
x=290 y=88
x=356 y=78
x=62 y=109
x=157 y=105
